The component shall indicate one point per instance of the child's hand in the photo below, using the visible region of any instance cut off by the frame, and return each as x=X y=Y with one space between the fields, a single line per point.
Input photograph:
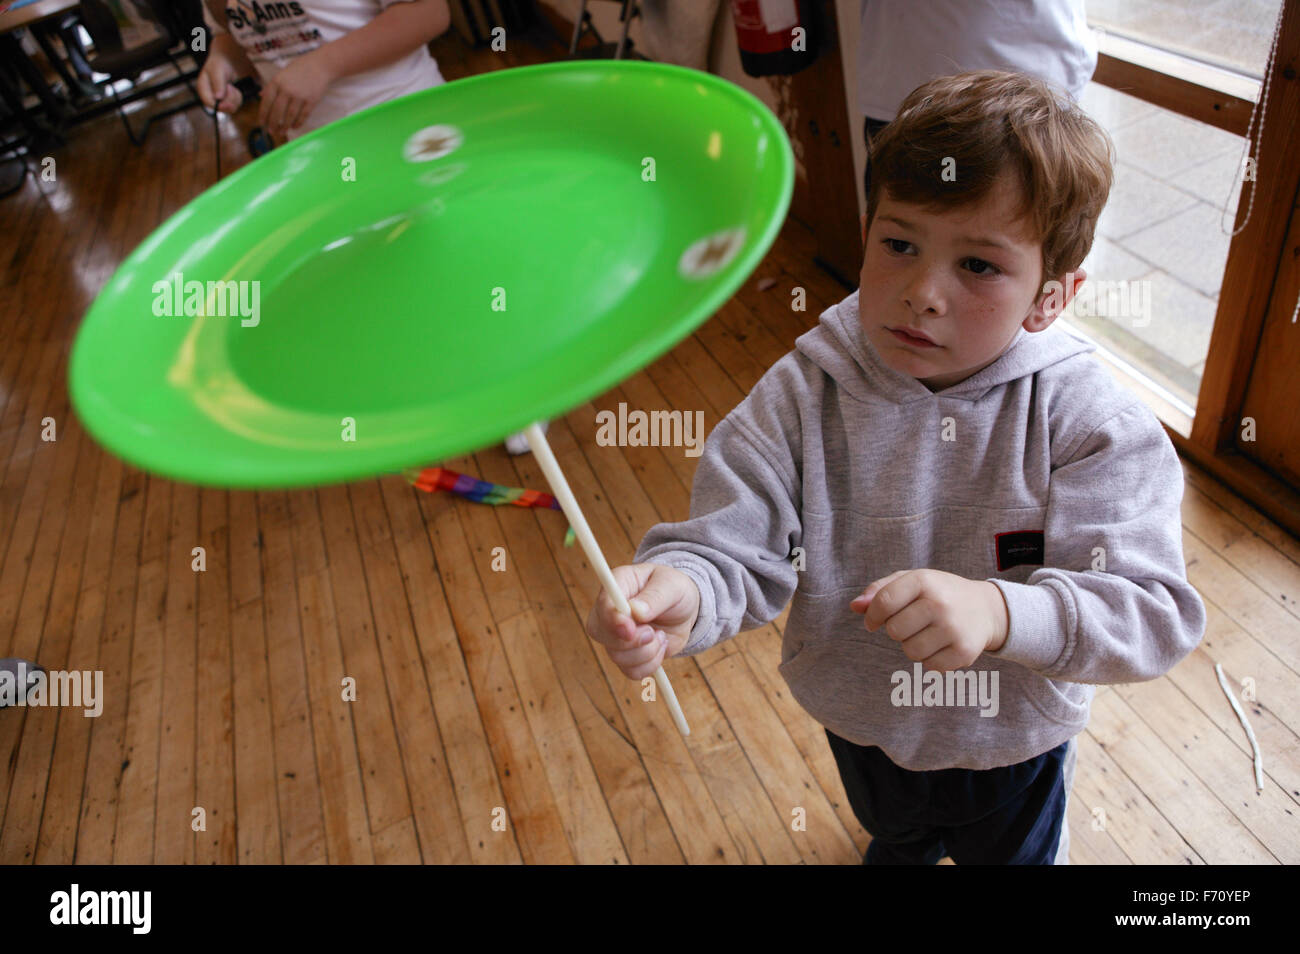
x=940 y=619
x=289 y=99
x=216 y=86
x=664 y=604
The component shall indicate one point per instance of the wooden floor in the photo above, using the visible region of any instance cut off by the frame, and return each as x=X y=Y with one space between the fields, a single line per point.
x=478 y=695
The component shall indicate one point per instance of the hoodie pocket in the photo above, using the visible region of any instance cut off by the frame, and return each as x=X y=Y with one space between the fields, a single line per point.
x=846 y=550
x=837 y=670
x=841 y=677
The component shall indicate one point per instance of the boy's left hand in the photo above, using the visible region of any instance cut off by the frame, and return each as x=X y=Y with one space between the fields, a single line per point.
x=288 y=99
x=939 y=619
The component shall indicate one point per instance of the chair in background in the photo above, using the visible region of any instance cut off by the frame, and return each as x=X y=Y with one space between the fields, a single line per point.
x=119 y=62
x=13 y=152
x=72 y=66
x=21 y=134
x=616 y=51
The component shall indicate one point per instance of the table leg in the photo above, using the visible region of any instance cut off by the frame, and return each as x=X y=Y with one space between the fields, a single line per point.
x=11 y=93
x=72 y=83
x=76 y=52
x=13 y=51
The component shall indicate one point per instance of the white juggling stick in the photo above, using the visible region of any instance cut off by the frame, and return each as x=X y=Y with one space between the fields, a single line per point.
x=555 y=477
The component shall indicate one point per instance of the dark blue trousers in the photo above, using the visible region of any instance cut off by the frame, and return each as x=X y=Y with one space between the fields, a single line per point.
x=1003 y=816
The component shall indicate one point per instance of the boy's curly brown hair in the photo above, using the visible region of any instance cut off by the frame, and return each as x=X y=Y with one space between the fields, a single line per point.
x=988 y=123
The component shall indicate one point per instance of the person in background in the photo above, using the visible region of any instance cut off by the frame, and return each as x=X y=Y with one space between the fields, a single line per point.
x=903 y=44
x=319 y=60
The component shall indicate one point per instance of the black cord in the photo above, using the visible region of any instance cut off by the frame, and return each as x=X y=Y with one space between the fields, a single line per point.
x=216 y=135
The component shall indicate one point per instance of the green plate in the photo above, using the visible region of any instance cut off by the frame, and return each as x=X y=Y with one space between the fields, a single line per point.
x=423 y=278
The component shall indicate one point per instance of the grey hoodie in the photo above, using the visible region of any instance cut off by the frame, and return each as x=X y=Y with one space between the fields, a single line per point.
x=1038 y=473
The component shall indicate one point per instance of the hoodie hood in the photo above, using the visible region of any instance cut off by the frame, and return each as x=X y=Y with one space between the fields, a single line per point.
x=840 y=348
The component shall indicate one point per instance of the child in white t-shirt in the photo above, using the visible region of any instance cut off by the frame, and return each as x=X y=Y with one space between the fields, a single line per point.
x=319 y=60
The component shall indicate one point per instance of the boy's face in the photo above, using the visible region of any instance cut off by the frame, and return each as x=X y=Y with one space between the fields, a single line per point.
x=967 y=278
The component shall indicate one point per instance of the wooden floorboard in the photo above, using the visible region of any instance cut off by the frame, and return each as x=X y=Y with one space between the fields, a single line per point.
x=367 y=674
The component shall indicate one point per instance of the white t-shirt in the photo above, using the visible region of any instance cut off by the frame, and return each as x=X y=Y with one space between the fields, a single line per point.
x=274 y=33
x=905 y=43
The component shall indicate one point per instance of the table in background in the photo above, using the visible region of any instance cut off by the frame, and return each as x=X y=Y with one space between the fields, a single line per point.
x=30 y=14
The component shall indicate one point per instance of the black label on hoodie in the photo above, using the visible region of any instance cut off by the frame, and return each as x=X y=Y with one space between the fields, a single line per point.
x=1019 y=546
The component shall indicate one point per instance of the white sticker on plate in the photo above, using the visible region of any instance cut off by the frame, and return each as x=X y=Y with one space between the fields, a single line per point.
x=432 y=142
x=711 y=253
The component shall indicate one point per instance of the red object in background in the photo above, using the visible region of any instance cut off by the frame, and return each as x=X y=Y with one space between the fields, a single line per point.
x=765 y=33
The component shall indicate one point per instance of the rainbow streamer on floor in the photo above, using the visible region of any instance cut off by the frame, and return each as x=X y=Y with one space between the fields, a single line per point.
x=433 y=479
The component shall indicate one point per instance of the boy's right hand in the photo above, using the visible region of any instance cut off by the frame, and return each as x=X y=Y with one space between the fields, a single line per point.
x=217 y=84
x=664 y=605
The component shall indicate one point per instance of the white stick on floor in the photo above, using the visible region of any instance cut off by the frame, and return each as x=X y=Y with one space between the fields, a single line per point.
x=560 y=486
x=1250 y=733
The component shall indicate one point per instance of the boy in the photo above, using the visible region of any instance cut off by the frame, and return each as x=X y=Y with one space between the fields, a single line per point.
x=319 y=60
x=974 y=521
